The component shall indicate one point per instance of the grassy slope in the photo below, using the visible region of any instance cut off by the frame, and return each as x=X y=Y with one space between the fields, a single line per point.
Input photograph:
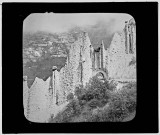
x=99 y=103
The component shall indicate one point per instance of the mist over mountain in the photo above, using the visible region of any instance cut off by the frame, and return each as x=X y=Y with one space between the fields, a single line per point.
x=98 y=25
x=100 y=31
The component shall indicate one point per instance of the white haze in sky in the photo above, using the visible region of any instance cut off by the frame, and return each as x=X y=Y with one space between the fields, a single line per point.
x=54 y=23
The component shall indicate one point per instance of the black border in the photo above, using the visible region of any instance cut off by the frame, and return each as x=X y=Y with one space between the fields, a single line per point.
x=146 y=17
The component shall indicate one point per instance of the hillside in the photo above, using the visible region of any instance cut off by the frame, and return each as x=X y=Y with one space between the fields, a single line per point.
x=42 y=51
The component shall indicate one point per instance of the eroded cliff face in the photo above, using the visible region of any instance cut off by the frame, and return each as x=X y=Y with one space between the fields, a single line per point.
x=121 y=57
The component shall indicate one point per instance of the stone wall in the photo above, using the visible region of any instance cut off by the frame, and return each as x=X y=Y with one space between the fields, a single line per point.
x=36 y=100
x=122 y=52
x=87 y=59
x=42 y=99
x=78 y=69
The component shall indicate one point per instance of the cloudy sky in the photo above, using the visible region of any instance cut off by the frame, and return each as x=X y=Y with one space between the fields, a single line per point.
x=52 y=22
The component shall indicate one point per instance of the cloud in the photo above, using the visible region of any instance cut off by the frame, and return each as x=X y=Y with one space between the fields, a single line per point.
x=52 y=22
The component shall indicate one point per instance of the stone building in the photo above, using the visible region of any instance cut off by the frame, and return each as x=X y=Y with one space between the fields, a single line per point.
x=121 y=56
x=119 y=60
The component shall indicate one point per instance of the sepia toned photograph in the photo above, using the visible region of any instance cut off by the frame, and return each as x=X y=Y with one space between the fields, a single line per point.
x=79 y=67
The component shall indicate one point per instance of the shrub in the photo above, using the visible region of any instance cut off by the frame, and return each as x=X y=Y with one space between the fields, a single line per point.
x=131 y=106
x=104 y=101
x=121 y=106
x=129 y=92
x=72 y=109
x=61 y=117
x=99 y=115
x=123 y=103
x=117 y=111
x=94 y=103
x=96 y=90
x=131 y=86
x=75 y=106
x=79 y=91
x=82 y=102
x=70 y=96
x=110 y=105
x=112 y=85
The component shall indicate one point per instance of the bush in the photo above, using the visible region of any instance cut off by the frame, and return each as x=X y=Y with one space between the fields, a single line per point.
x=131 y=86
x=96 y=90
x=117 y=111
x=110 y=106
x=112 y=85
x=72 y=109
x=94 y=103
x=99 y=115
x=79 y=91
x=121 y=106
x=104 y=101
x=129 y=92
x=75 y=106
x=131 y=106
x=70 y=96
x=82 y=102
